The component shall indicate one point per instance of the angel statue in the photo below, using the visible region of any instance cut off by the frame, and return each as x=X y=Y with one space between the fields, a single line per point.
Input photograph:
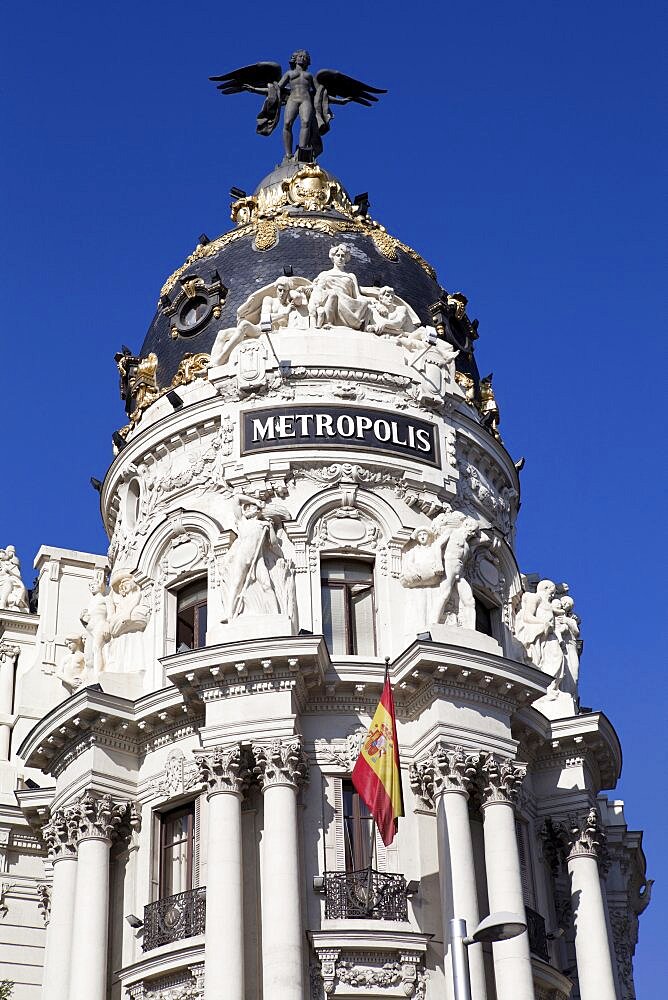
x=304 y=96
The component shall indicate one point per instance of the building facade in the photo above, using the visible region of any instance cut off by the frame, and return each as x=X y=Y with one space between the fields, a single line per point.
x=311 y=482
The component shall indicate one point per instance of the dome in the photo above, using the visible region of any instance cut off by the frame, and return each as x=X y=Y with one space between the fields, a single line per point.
x=287 y=226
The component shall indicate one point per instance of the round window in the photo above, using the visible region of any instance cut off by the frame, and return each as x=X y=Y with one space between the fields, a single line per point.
x=193 y=313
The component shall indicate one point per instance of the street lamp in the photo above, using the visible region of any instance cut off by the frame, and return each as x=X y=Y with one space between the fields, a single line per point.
x=496 y=927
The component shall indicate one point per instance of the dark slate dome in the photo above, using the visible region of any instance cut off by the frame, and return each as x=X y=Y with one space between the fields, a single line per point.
x=288 y=225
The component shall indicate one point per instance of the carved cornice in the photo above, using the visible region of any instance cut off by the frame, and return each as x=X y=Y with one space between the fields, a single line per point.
x=101 y=817
x=224 y=769
x=501 y=780
x=280 y=763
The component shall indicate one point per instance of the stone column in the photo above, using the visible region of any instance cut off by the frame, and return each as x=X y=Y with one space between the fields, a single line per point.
x=59 y=834
x=223 y=771
x=281 y=768
x=512 y=962
x=98 y=819
x=586 y=843
x=449 y=774
x=8 y=657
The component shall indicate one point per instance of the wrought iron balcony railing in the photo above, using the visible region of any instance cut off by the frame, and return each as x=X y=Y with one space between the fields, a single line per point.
x=366 y=895
x=174 y=918
x=537 y=935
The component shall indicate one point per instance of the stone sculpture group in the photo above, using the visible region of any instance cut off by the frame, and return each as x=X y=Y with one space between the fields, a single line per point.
x=13 y=594
x=433 y=569
x=111 y=621
x=258 y=574
x=549 y=632
x=334 y=298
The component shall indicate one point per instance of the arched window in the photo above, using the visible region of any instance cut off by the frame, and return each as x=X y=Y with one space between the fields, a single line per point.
x=348 y=612
x=191 y=615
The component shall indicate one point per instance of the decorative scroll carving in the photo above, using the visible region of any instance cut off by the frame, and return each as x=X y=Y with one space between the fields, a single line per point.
x=13 y=594
x=44 y=900
x=501 y=779
x=342 y=753
x=180 y=774
x=280 y=763
x=224 y=769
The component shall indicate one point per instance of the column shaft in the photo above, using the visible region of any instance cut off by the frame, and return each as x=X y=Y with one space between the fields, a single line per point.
x=224 y=938
x=282 y=937
x=59 y=932
x=512 y=961
x=90 y=931
x=592 y=950
x=459 y=897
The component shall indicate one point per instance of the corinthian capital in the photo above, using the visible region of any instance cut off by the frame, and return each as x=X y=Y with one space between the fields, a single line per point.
x=501 y=780
x=223 y=769
x=102 y=817
x=280 y=763
x=60 y=834
x=446 y=769
x=8 y=651
x=585 y=836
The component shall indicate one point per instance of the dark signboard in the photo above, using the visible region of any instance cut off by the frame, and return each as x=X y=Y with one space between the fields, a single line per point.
x=284 y=427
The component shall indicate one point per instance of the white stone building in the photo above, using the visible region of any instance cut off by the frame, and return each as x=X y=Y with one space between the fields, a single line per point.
x=311 y=480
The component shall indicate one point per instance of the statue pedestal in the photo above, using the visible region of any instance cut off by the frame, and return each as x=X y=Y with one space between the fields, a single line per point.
x=461 y=637
x=249 y=627
x=124 y=685
x=558 y=706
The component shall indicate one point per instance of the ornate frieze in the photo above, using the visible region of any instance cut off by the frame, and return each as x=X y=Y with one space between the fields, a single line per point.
x=280 y=763
x=400 y=972
x=224 y=769
x=501 y=780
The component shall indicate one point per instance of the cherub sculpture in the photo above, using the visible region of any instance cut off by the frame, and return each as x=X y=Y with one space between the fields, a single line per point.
x=303 y=95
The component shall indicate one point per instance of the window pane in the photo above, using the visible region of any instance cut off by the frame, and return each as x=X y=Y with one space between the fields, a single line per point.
x=334 y=619
x=185 y=628
x=200 y=630
x=194 y=593
x=176 y=851
x=364 y=633
x=358 y=830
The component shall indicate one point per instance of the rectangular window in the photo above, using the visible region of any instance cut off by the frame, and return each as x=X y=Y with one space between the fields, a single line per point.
x=176 y=850
x=191 y=616
x=348 y=612
x=358 y=830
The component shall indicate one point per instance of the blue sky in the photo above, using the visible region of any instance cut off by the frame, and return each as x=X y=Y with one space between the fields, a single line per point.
x=520 y=150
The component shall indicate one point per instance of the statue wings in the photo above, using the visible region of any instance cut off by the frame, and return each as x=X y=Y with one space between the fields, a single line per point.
x=347 y=88
x=257 y=75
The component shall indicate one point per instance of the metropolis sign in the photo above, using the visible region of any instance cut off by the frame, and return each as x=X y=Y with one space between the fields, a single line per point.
x=286 y=427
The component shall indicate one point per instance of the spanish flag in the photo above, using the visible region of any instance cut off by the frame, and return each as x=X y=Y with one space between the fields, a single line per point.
x=376 y=775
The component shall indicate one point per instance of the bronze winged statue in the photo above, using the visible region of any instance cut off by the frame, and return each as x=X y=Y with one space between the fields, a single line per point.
x=304 y=96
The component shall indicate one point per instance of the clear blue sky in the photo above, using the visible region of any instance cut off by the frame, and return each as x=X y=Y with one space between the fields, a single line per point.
x=519 y=150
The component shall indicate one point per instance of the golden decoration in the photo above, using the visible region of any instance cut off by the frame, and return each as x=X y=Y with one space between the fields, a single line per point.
x=467 y=385
x=266 y=234
x=310 y=188
x=190 y=287
x=144 y=385
x=190 y=367
x=243 y=211
x=384 y=243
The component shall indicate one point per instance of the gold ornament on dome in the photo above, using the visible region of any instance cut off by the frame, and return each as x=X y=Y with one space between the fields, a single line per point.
x=265 y=214
x=191 y=366
x=266 y=234
x=312 y=190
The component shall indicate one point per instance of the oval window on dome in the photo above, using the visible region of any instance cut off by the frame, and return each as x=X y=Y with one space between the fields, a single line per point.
x=194 y=313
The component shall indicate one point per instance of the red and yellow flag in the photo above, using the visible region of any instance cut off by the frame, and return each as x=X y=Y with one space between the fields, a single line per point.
x=376 y=775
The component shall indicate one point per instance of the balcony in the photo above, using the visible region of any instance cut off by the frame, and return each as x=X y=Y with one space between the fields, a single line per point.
x=537 y=935
x=174 y=918
x=365 y=895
